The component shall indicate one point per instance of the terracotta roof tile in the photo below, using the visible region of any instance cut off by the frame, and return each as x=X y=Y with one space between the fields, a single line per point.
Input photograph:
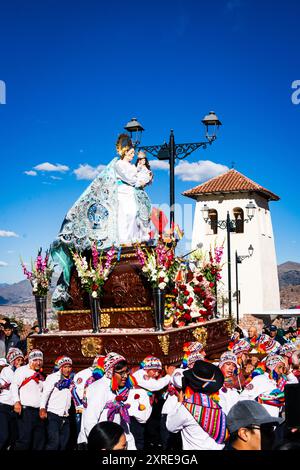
x=229 y=182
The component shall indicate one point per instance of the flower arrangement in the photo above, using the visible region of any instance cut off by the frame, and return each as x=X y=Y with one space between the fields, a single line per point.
x=40 y=274
x=94 y=274
x=195 y=299
x=159 y=265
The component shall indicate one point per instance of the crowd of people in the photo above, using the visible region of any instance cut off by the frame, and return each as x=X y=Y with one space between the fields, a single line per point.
x=235 y=403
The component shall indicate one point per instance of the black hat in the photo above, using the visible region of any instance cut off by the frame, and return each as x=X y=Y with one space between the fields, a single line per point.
x=204 y=377
x=273 y=328
x=7 y=326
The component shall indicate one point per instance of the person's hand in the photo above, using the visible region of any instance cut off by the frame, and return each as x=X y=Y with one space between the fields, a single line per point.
x=18 y=408
x=170 y=369
x=43 y=413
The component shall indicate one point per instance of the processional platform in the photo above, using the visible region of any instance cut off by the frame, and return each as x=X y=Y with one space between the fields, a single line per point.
x=127 y=323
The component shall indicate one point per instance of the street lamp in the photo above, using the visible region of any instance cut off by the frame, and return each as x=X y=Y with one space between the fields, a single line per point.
x=230 y=226
x=134 y=127
x=238 y=260
x=172 y=151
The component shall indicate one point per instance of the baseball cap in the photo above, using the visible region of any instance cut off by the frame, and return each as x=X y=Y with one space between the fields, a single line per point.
x=273 y=328
x=247 y=412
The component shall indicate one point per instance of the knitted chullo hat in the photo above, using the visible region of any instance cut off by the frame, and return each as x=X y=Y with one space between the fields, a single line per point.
x=151 y=362
x=189 y=348
x=13 y=354
x=35 y=354
x=267 y=345
x=192 y=358
x=273 y=360
x=226 y=357
x=287 y=349
x=110 y=362
x=63 y=361
x=242 y=346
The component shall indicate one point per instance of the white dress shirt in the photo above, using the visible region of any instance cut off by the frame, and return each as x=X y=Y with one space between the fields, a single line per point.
x=149 y=383
x=30 y=394
x=6 y=377
x=54 y=400
x=99 y=393
x=193 y=436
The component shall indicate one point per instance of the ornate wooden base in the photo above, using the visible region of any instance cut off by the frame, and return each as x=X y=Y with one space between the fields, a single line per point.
x=134 y=344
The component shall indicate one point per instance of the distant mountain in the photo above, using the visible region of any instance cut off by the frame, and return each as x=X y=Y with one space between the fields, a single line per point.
x=289 y=274
x=19 y=292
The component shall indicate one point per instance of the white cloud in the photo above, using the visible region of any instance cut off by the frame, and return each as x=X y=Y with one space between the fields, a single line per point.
x=159 y=165
x=10 y=252
x=50 y=167
x=56 y=177
x=2 y=264
x=199 y=171
x=6 y=233
x=87 y=172
x=30 y=173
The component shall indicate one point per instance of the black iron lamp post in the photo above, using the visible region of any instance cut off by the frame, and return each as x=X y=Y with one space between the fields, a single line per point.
x=230 y=226
x=238 y=260
x=172 y=151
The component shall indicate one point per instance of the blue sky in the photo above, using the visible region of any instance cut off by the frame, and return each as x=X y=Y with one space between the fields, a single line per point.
x=76 y=72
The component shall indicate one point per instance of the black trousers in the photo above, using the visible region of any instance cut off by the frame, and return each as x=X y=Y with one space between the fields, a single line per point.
x=170 y=440
x=58 y=432
x=138 y=431
x=31 y=430
x=8 y=425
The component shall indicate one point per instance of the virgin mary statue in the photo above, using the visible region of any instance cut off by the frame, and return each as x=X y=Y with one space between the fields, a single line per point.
x=113 y=210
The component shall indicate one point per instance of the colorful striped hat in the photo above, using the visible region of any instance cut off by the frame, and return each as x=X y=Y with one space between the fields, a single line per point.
x=13 y=354
x=287 y=349
x=35 y=354
x=192 y=358
x=242 y=346
x=151 y=362
x=63 y=361
x=273 y=360
x=226 y=357
x=110 y=362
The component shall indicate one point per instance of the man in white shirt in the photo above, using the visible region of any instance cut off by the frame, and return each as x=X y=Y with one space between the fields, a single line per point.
x=268 y=388
x=27 y=387
x=229 y=394
x=149 y=377
x=56 y=403
x=8 y=423
x=197 y=415
x=114 y=398
x=82 y=380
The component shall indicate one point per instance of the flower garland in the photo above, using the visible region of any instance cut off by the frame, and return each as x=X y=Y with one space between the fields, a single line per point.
x=40 y=274
x=94 y=274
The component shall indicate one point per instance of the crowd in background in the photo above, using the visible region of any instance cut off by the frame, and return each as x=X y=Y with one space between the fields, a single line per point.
x=234 y=403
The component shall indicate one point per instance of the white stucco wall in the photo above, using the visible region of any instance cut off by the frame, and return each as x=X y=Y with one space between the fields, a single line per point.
x=258 y=279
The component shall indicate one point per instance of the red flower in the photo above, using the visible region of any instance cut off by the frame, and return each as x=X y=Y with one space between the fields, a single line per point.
x=136 y=396
x=186 y=293
x=94 y=287
x=180 y=307
x=187 y=316
x=175 y=291
x=211 y=284
x=199 y=278
x=197 y=290
x=190 y=301
x=182 y=287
